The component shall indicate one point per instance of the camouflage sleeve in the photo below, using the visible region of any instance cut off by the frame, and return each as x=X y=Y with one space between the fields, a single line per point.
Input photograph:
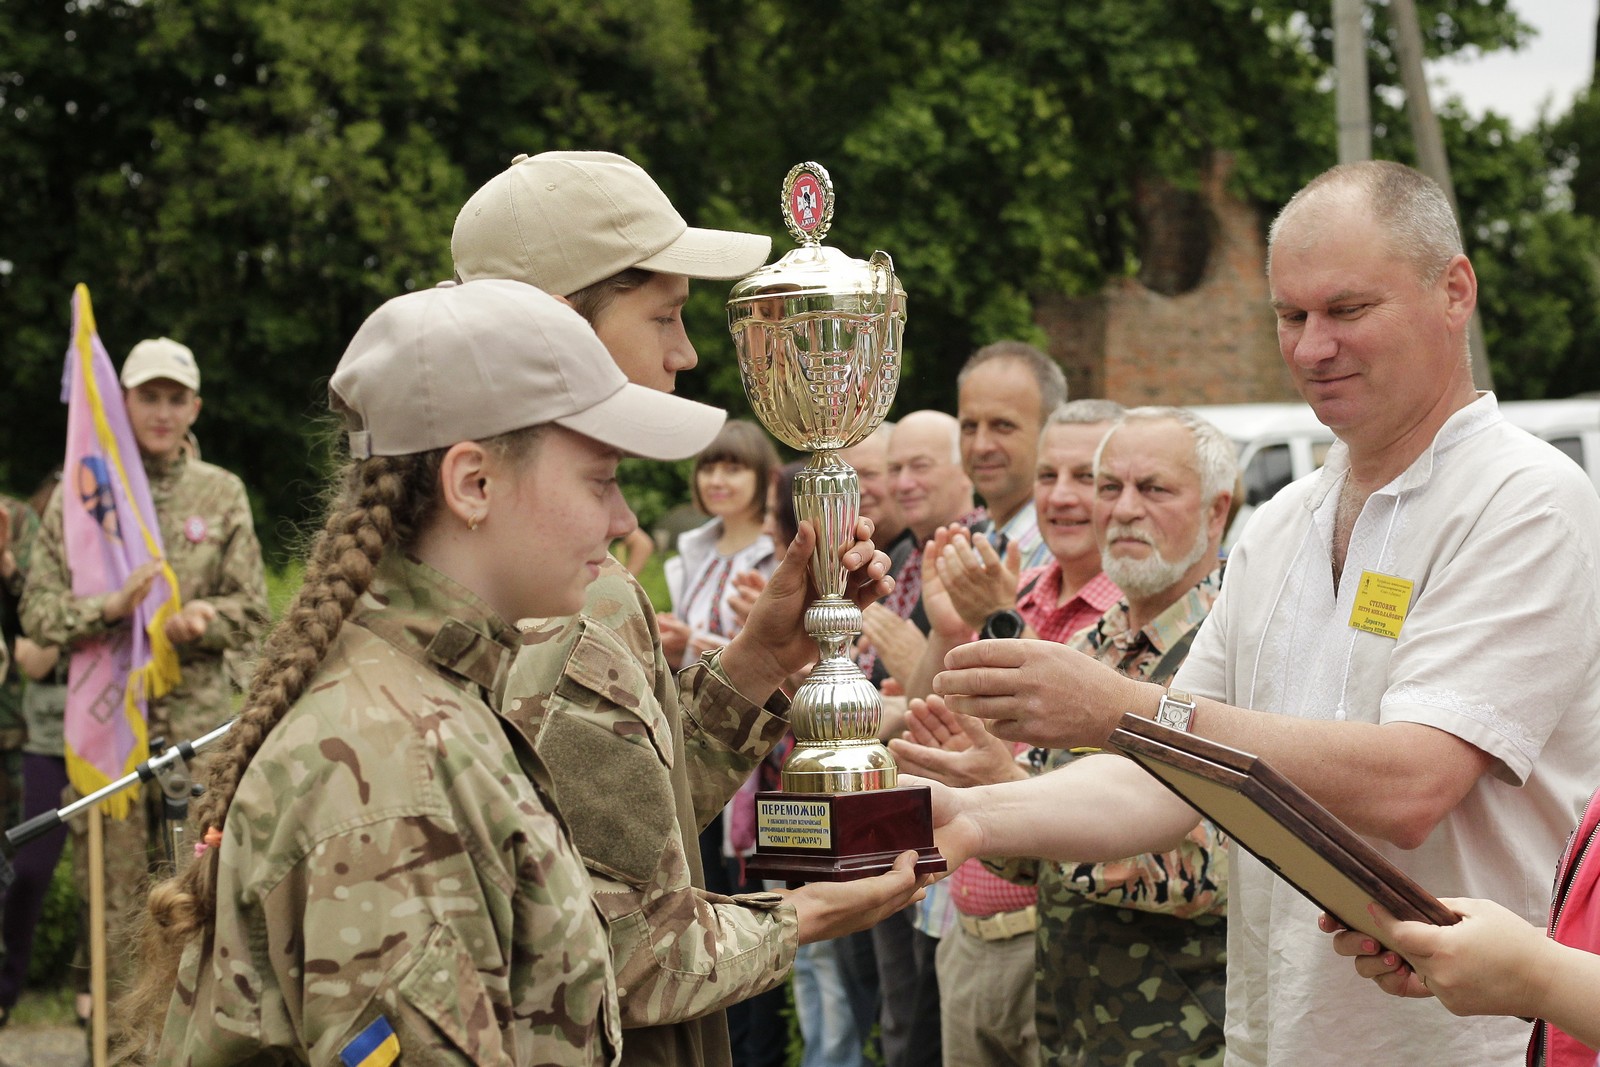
x=724 y=735
x=51 y=615
x=24 y=531
x=605 y=728
x=424 y=957
x=361 y=929
x=681 y=952
x=241 y=594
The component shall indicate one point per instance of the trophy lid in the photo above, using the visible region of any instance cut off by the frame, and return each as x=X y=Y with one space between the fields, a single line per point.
x=814 y=269
x=818 y=333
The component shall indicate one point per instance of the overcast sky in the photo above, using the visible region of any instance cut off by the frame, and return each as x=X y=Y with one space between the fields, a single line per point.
x=1550 y=69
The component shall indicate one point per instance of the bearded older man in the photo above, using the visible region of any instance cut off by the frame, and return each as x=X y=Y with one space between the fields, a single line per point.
x=1131 y=954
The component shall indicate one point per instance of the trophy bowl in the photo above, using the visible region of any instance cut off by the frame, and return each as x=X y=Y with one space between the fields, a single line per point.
x=818 y=336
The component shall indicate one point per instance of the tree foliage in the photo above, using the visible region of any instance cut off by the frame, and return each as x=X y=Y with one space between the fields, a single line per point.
x=254 y=176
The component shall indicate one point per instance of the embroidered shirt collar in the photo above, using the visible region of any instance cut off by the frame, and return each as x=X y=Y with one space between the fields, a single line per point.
x=435 y=620
x=1472 y=419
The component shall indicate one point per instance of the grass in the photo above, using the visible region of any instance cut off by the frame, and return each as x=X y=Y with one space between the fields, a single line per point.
x=50 y=1005
x=654 y=580
x=281 y=586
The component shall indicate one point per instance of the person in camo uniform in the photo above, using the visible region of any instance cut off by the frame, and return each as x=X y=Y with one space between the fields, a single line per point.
x=209 y=541
x=384 y=880
x=638 y=759
x=21 y=527
x=1108 y=931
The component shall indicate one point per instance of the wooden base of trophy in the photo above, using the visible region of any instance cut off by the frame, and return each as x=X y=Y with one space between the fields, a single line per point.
x=837 y=837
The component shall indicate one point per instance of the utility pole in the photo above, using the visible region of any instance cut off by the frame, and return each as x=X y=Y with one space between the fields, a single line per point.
x=1350 y=82
x=1431 y=157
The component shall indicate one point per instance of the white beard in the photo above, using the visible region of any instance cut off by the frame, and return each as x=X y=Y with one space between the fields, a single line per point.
x=1155 y=573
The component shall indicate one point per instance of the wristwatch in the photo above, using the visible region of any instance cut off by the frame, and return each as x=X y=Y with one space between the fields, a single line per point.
x=1003 y=624
x=1176 y=710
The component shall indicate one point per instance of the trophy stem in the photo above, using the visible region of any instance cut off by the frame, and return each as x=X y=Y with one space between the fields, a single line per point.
x=837 y=710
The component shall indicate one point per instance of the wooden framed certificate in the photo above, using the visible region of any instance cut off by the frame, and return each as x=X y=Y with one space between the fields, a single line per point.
x=1275 y=821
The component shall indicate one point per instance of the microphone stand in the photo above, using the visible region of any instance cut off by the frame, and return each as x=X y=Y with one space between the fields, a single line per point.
x=169 y=768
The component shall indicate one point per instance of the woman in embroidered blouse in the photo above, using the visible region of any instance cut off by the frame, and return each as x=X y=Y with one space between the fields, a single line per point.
x=730 y=485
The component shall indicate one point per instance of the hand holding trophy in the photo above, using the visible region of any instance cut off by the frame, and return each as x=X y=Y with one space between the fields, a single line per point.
x=818 y=335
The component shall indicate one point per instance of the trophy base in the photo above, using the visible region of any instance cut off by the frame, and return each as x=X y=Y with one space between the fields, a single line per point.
x=838 y=837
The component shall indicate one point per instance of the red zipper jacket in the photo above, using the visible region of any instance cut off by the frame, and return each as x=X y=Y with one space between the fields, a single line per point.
x=1574 y=921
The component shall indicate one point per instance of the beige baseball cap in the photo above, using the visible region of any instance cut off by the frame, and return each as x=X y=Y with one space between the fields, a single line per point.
x=462 y=362
x=565 y=220
x=160 y=357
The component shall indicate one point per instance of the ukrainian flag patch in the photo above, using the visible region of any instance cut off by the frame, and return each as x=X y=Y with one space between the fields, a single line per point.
x=376 y=1046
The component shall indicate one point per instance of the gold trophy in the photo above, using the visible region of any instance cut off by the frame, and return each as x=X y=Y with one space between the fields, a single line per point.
x=818 y=335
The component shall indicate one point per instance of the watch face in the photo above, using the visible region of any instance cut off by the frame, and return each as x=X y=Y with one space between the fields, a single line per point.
x=1003 y=625
x=1174 y=714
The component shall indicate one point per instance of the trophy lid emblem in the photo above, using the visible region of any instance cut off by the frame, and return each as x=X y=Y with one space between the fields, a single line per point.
x=808 y=202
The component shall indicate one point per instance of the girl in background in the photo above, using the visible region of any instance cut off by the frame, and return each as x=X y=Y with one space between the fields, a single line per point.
x=729 y=484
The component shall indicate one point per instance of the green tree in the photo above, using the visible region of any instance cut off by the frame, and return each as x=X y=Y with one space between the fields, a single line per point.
x=254 y=176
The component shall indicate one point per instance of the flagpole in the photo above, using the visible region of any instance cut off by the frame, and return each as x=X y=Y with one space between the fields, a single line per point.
x=98 y=1043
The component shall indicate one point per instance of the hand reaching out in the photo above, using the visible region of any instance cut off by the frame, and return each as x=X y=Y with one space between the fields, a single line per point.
x=833 y=909
x=952 y=748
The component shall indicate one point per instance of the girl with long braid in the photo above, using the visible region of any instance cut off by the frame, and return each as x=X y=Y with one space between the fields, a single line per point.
x=381 y=881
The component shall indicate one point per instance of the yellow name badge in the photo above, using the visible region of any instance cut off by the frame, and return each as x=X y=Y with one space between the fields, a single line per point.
x=1382 y=601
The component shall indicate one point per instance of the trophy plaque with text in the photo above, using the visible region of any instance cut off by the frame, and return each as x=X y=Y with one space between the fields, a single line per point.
x=818 y=335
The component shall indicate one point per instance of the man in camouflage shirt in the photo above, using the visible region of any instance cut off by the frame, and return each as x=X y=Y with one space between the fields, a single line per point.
x=209 y=541
x=388 y=829
x=638 y=760
x=1131 y=954
x=22 y=527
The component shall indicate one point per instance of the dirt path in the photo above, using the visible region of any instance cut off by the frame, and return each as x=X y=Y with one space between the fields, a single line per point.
x=42 y=1046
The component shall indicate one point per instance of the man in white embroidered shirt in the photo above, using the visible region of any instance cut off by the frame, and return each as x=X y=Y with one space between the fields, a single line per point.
x=1415 y=626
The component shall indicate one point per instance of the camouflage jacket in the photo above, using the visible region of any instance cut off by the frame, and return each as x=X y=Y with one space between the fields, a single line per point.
x=638 y=762
x=24 y=531
x=210 y=542
x=388 y=855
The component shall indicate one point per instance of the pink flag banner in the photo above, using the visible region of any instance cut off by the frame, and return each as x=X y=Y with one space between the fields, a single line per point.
x=110 y=529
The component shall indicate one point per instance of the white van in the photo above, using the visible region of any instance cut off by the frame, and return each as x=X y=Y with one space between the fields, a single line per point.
x=1279 y=443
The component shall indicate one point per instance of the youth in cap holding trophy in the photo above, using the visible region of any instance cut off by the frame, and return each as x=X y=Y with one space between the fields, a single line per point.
x=637 y=759
x=379 y=869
